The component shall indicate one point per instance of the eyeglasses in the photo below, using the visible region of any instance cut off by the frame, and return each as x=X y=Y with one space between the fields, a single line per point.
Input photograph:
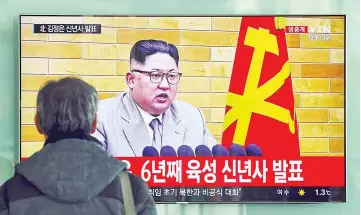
x=157 y=77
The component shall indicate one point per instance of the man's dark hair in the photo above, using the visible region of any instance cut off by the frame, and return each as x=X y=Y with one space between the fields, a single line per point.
x=68 y=104
x=145 y=48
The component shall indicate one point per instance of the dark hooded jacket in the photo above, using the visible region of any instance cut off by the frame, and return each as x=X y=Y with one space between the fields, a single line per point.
x=70 y=175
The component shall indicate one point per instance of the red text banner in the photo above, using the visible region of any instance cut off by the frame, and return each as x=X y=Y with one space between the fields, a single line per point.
x=238 y=171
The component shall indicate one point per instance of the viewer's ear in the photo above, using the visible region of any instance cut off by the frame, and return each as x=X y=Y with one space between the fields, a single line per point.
x=37 y=123
x=94 y=124
x=129 y=77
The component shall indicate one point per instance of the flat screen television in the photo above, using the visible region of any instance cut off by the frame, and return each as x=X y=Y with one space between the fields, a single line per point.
x=259 y=102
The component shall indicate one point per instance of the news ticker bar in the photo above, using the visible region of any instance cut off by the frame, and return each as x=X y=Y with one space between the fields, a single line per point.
x=238 y=171
x=248 y=194
x=230 y=171
x=96 y=28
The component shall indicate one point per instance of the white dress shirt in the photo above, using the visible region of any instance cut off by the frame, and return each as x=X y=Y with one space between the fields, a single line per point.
x=147 y=119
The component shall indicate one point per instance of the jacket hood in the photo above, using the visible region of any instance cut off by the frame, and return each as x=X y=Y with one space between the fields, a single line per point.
x=71 y=168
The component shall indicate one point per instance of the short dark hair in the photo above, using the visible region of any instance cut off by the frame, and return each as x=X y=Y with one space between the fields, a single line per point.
x=68 y=104
x=145 y=48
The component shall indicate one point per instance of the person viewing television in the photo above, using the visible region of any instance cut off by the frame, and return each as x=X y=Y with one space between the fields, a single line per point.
x=72 y=173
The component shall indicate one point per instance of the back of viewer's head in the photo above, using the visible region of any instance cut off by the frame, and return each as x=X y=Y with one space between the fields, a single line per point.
x=66 y=105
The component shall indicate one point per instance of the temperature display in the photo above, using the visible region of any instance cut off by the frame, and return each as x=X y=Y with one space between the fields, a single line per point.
x=322 y=192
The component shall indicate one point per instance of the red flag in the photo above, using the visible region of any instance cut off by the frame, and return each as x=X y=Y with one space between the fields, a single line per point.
x=260 y=105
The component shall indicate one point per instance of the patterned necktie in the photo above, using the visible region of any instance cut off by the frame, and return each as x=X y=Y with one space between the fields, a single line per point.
x=157 y=137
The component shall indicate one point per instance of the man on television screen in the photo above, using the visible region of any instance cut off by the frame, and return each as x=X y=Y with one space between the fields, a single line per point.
x=148 y=115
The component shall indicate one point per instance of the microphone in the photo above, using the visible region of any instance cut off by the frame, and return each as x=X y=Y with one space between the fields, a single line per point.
x=236 y=150
x=203 y=150
x=219 y=150
x=167 y=151
x=253 y=150
x=185 y=150
x=150 y=151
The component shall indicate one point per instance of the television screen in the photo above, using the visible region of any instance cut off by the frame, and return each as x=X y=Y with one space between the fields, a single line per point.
x=217 y=109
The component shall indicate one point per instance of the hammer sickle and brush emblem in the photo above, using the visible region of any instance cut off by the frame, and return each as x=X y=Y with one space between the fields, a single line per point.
x=253 y=98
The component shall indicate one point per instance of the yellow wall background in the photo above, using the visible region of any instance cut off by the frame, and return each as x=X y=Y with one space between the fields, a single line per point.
x=207 y=47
